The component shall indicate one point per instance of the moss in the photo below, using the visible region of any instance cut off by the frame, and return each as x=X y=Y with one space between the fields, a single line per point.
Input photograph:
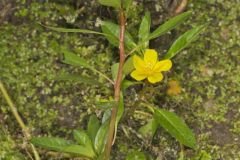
x=9 y=149
x=32 y=62
x=207 y=72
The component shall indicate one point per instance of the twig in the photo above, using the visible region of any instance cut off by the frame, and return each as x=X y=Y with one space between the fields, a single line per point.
x=117 y=86
x=19 y=119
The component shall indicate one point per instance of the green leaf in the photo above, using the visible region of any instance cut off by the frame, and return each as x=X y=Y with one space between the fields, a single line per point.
x=127 y=83
x=119 y=113
x=120 y=109
x=80 y=151
x=176 y=127
x=73 y=59
x=68 y=30
x=78 y=78
x=51 y=143
x=101 y=137
x=111 y=3
x=128 y=66
x=82 y=138
x=136 y=155
x=169 y=25
x=144 y=30
x=149 y=129
x=61 y=145
x=114 y=70
x=113 y=29
x=183 y=41
x=93 y=126
x=106 y=115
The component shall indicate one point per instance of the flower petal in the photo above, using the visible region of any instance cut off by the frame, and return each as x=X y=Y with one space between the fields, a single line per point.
x=156 y=77
x=163 y=65
x=138 y=75
x=138 y=63
x=150 y=56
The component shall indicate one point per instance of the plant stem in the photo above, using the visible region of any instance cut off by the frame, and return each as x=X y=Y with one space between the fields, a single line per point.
x=18 y=118
x=181 y=155
x=117 y=86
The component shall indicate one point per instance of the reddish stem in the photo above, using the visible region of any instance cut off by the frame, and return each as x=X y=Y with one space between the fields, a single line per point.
x=117 y=87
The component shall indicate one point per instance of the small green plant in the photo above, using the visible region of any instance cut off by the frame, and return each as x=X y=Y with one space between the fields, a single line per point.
x=89 y=143
x=136 y=60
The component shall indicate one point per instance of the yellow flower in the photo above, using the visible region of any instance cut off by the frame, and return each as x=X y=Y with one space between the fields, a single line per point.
x=150 y=67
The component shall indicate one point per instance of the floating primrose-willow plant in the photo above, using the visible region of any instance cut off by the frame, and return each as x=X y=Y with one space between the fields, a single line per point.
x=143 y=65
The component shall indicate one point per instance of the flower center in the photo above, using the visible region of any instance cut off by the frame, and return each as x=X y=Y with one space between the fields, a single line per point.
x=149 y=68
